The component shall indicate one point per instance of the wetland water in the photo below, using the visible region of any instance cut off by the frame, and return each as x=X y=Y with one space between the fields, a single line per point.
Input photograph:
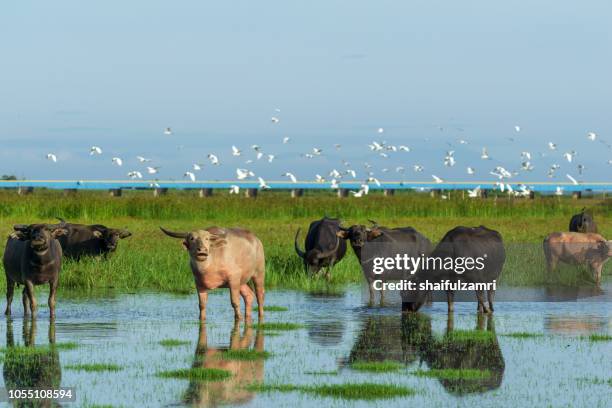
x=556 y=365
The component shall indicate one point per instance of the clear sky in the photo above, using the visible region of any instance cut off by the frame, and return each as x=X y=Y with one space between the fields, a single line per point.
x=115 y=73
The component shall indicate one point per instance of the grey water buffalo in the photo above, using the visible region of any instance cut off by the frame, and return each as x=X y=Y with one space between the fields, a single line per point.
x=226 y=258
x=577 y=248
x=33 y=256
x=583 y=222
x=322 y=247
x=376 y=242
x=480 y=247
x=90 y=240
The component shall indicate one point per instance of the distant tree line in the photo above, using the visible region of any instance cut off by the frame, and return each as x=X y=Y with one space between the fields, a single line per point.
x=8 y=177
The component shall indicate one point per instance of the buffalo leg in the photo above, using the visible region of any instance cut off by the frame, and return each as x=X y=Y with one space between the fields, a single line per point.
x=247 y=296
x=30 y=291
x=597 y=273
x=25 y=301
x=450 y=299
x=52 y=293
x=260 y=294
x=482 y=307
x=202 y=298
x=491 y=296
x=382 y=297
x=371 y=288
x=235 y=299
x=10 y=289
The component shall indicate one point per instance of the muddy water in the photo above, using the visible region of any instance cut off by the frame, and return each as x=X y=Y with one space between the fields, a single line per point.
x=556 y=369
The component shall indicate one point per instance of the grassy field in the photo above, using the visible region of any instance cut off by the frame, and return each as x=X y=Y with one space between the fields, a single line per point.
x=151 y=261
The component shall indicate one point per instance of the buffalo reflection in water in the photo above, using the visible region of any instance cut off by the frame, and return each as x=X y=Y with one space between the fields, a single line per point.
x=30 y=367
x=410 y=338
x=244 y=372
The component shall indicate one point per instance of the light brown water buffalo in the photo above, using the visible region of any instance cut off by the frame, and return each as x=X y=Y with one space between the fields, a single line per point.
x=226 y=258
x=32 y=256
x=577 y=248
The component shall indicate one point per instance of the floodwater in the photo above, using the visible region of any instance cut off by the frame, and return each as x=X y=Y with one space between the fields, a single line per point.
x=559 y=368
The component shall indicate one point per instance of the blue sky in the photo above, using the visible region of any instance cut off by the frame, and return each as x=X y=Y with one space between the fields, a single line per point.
x=114 y=74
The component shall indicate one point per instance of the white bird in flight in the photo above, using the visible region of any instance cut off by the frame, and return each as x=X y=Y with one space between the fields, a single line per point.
x=242 y=174
x=485 y=154
x=117 y=161
x=95 y=150
x=152 y=170
x=235 y=151
x=262 y=183
x=197 y=166
x=234 y=189
x=134 y=174
x=191 y=176
x=142 y=159
x=437 y=179
x=517 y=128
x=213 y=159
x=275 y=119
x=418 y=168
x=52 y=157
x=552 y=146
x=470 y=171
x=380 y=130
x=291 y=177
x=286 y=140
x=168 y=131
x=592 y=136
x=573 y=180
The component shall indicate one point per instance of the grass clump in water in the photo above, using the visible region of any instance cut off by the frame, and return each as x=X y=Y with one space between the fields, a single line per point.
x=454 y=374
x=386 y=366
x=245 y=355
x=96 y=367
x=470 y=335
x=273 y=308
x=197 y=374
x=323 y=372
x=173 y=342
x=277 y=326
x=523 y=335
x=599 y=337
x=349 y=391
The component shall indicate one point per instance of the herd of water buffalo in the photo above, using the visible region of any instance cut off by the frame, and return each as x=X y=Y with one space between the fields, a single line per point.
x=233 y=257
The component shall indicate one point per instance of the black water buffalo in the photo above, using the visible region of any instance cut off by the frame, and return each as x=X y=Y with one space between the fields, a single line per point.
x=90 y=240
x=377 y=242
x=323 y=247
x=33 y=256
x=465 y=255
x=583 y=222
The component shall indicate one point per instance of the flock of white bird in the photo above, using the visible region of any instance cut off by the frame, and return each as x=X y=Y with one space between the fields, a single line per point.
x=502 y=176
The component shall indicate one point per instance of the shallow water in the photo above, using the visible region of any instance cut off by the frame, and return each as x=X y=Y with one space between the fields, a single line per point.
x=126 y=330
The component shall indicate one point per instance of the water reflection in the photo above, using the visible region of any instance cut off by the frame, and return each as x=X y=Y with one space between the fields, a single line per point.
x=467 y=350
x=575 y=325
x=232 y=390
x=29 y=366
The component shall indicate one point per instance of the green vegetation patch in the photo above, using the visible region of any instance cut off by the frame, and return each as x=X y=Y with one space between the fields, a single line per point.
x=598 y=337
x=197 y=374
x=523 y=335
x=69 y=345
x=596 y=381
x=173 y=342
x=470 y=335
x=273 y=308
x=277 y=326
x=95 y=367
x=377 y=366
x=244 y=354
x=322 y=372
x=454 y=374
x=350 y=391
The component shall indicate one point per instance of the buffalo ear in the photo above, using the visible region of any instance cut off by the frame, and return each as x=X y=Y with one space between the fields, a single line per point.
x=374 y=233
x=58 y=232
x=185 y=245
x=21 y=227
x=97 y=234
x=124 y=233
x=18 y=235
x=217 y=242
x=342 y=234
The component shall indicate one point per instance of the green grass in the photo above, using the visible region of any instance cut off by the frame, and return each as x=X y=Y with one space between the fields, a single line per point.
x=69 y=345
x=470 y=335
x=523 y=335
x=277 y=326
x=245 y=355
x=273 y=308
x=349 y=391
x=331 y=372
x=596 y=381
x=598 y=337
x=377 y=366
x=40 y=349
x=454 y=374
x=173 y=343
x=149 y=260
x=95 y=367
x=197 y=374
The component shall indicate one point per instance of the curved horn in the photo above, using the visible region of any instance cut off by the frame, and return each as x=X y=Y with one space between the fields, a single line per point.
x=300 y=253
x=60 y=219
x=374 y=223
x=326 y=254
x=20 y=227
x=183 y=235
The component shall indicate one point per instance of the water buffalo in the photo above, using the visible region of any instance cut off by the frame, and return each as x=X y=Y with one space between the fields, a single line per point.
x=90 y=240
x=577 y=248
x=323 y=248
x=369 y=243
x=226 y=258
x=231 y=391
x=33 y=256
x=483 y=246
x=583 y=222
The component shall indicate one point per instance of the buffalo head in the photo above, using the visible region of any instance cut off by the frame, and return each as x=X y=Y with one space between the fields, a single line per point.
x=39 y=235
x=358 y=235
x=110 y=236
x=199 y=243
